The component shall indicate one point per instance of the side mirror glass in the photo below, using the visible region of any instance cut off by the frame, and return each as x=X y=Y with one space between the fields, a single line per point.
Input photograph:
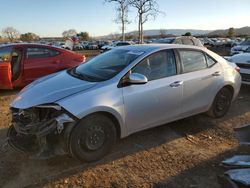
x=136 y=78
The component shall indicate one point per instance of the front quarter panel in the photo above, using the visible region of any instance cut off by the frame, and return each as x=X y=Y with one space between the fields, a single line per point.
x=106 y=98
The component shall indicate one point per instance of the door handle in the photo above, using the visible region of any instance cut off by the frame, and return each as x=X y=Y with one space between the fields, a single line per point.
x=217 y=73
x=176 y=84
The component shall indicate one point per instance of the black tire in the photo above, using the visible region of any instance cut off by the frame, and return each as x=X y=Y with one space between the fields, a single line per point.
x=221 y=103
x=92 y=138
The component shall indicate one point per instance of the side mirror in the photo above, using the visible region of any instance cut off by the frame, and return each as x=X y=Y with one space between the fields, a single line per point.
x=136 y=78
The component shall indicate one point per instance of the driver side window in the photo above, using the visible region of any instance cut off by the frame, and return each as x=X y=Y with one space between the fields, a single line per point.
x=158 y=65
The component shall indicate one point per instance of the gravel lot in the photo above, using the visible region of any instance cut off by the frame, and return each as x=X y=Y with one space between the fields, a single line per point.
x=181 y=154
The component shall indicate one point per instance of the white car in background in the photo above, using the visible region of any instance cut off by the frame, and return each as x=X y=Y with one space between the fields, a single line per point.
x=243 y=62
x=114 y=45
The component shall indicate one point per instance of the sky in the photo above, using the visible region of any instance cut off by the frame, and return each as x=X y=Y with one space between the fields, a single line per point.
x=49 y=18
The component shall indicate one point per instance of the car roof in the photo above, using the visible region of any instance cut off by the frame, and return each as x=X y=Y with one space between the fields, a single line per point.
x=154 y=47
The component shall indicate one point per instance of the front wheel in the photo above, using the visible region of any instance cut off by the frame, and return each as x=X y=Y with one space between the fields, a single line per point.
x=221 y=103
x=92 y=138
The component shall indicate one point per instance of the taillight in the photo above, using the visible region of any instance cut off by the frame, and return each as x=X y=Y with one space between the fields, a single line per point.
x=237 y=69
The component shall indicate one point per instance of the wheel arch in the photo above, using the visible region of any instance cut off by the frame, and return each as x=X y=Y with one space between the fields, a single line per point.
x=216 y=114
x=112 y=114
x=230 y=88
x=112 y=117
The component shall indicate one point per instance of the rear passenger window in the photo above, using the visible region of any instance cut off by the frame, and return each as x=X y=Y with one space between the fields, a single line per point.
x=159 y=65
x=192 y=60
x=40 y=53
x=210 y=61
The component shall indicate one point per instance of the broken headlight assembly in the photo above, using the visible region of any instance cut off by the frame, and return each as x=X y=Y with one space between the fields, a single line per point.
x=39 y=129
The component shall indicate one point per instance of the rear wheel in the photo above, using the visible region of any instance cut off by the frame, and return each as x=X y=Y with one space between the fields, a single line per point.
x=92 y=138
x=221 y=103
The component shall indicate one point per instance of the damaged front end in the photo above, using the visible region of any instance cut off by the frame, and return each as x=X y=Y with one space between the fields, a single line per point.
x=42 y=131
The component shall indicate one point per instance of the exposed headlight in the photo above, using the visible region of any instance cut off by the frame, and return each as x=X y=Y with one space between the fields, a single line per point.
x=36 y=114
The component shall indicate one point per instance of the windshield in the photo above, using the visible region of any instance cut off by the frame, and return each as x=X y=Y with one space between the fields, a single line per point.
x=105 y=66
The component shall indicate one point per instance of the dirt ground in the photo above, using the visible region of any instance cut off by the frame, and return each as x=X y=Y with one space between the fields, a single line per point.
x=182 y=154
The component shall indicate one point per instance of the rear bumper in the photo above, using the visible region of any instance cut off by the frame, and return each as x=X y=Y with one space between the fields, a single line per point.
x=237 y=86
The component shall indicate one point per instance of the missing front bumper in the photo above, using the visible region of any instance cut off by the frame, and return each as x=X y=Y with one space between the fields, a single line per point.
x=42 y=140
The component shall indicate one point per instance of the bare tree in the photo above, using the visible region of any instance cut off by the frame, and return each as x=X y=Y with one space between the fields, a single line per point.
x=122 y=14
x=69 y=33
x=10 y=33
x=146 y=9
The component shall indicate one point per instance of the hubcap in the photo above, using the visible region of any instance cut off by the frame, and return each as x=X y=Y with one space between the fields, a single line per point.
x=95 y=137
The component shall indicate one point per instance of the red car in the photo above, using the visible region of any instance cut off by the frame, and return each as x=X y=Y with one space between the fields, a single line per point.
x=21 y=64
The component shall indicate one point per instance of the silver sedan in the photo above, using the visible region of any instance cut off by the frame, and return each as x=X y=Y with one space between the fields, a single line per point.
x=84 y=110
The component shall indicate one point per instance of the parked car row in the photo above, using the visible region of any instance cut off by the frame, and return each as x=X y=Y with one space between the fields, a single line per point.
x=241 y=47
x=219 y=42
x=82 y=111
x=189 y=40
x=242 y=60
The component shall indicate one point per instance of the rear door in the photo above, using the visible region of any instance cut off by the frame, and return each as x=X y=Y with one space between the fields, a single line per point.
x=39 y=61
x=5 y=68
x=202 y=76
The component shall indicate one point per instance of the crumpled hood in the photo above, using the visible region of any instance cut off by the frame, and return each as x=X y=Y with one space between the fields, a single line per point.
x=50 y=89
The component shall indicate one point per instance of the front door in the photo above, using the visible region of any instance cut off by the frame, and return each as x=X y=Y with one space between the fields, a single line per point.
x=159 y=100
x=5 y=68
